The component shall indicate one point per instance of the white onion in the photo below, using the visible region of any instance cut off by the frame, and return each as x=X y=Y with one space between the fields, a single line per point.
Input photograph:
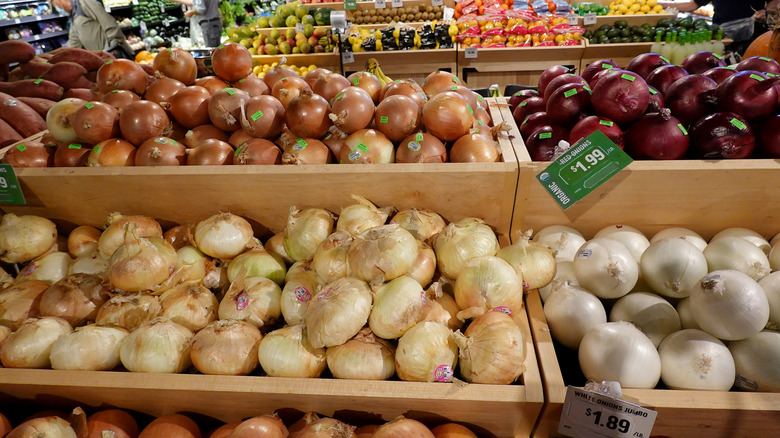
x=562 y=240
x=356 y=218
x=606 y=268
x=275 y=245
x=23 y=238
x=693 y=359
x=771 y=286
x=775 y=239
x=190 y=304
x=671 y=267
x=384 y=253
x=684 y=312
x=330 y=258
x=299 y=288
x=738 y=254
x=618 y=351
x=571 y=311
x=364 y=357
x=287 y=352
x=256 y=300
x=161 y=346
x=564 y=272
x=19 y=301
x=223 y=235
x=424 y=267
x=486 y=283
x=633 y=239
x=129 y=311
x=534 y=261
x=774 y=258
x=756 y=359
x=398 y=305
x=92 y=263
x=426 y=353
x=689 y=236
x=30 y=345
x=651 y=314
x=88 y=348
x=258 y=263
x=337 y=312
x=749 y=235
x=423 y=224
x=226 y=347
x=305 y=230
x=461 y=241
x=492 y=350
x=193 y=264
x=729 y=305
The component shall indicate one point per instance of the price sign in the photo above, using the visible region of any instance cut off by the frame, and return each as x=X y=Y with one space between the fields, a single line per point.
x=590 y=414
x=398 y=3
x=17 y=20
x=471 y=53
x=338 y=19
x=586 y=165
x=437 y=2
x=183 y=8
x=347 y=57
x=350 y=5
x=589 y=18
x=10 y=191
x=572 y=19
x=162 y=8
x=143 y=26
x=448 y=14
x=380 y=4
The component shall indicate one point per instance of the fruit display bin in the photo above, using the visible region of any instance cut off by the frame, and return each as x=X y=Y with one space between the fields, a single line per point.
x=324 y=60
x=406 y=64
x=632 y=20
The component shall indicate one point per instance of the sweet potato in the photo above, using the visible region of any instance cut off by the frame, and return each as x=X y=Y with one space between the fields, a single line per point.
x=91 y=75
x=82 y=82
x=35 y=69
x=8 y=134
x=65 y=73
x=33 y=88
x=16 y=51
x=85 y=58
x=81 y=93
x=105 y=56
x=41 y=106
x=25 y=120
x=17 y=75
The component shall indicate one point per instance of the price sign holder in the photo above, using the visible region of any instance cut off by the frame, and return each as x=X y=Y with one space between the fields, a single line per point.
x=338 y=20
x=471 y=53
x=589 y=18
x=350 y=5
x=398 y=3
x=380 y=4
x=585 y=166
x=437 y=2
x=589 y=414
x=572 y=19
x=347 y=57
x=10 y=191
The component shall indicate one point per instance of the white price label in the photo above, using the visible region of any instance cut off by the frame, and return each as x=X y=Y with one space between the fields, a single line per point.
x=36 y=37
x=183 y=8
x=398 y=3
x=166 y=23
x=347 y=57
x=17 y=20
x=299 y=27
x=437 y=2
x=590 y=414
x=380 y=4
x=108 y=8
x=448 y=14
x=338 y=19
x=162 y=8
x=589 y=18
x=38 y=18
x=572 y=19
x=143 y=27
x=135 y=2
x=471 y=53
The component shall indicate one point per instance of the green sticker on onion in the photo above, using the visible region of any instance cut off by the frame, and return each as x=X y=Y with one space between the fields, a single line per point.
x=256 y=115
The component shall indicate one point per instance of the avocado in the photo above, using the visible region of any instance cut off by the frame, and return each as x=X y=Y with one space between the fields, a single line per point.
x=613 y=33
x=621 y=24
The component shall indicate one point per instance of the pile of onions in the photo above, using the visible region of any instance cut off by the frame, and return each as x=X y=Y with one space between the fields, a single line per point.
x=426 y=353
x=160 y=346
x=461 y=241
x=31 y=344
x=492 y=349
x=364 y=357
x=287 y=352
x=385 y=252
x=88 y=348
x=226 y=347
x=337 y=312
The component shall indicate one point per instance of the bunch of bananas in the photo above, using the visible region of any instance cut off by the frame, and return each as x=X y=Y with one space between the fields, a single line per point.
x=372 y=66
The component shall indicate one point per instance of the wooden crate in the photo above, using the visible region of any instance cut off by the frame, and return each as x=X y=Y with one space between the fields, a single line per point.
x=407 y=64
x=514 y=65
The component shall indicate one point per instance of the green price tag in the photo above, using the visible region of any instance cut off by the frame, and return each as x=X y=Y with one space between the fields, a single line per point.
x=239 y=150
x=419 y=136
x=738 y=124
x=229 y=91
x=682 y=128
x=480 y=98
x=37 y=81
x=10 y=191
x=256 y=115
x=363 y=148
x=96 y=149
x=455 y=79
x=21 y=147
x=383 y=119
x=652 y=90
x=88 y=105
x=355 y=80
x=717 y=56
x=607 y=66
x=471 y=111
x=350 y=5
x=523 y=103
x=569 y=93
x=756 y=77
x=628 y=77
x=664 y=59
x=606 y=122
x=545 y=135
x=300 y=145
x=74 y=146
x=589 y=163
x=764 y=58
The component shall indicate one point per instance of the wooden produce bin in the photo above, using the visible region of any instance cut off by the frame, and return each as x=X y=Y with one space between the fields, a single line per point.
x=632 y=20
x=514 y=65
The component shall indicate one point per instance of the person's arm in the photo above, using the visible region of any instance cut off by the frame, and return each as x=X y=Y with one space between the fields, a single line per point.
x=73 y=38
x=107 y=22
x=684 y=5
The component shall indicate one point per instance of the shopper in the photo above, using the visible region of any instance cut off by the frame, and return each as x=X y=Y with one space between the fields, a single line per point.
x=207 y=14
x=91 y=27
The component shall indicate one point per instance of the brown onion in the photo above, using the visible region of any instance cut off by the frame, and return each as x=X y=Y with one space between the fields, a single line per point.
x=211 y=83
x=306 y=151
x=448 y=116
x=287 y=88
x=403 y=428
x=19 y=301
x=29 y=154
x=171 y=426
x=83 y=240
x=266 y=426
x=76 y=298
x=225 y=108
x=210 y=152
x=307 y=115
x=421 y=148
x=367 y=146
x=475 y=148
x=278 y=72
x=43 y=427
x=179 y=236
x=405 y=87
x=71 y=155
x=162 y=89
x=112 y=152
x=257 y=151
x=312 y=76
x=223 y=431
x=334 y=140
x=481 y=116
x=203 y=132
x=238 y=137
x=143 y=120
x=120 y=98
x=452 y=430
x=177 y=64
x=470 y=96
x=231 y=62
x=352 y=109
x=439 y=81
x=161 y=151
x=263 y=117
x=121 y=74
x=226 y=347
x=329 y=85
x=368 y=82
x=95 y=122
x=114 y=423
x=397 y=116
x=58 y=119
x=326 y=428
x=253 y=85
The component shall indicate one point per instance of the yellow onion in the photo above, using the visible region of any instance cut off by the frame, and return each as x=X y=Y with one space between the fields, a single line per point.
x=330 y=258
x=275 y=245
x=325 y=428
x=19 y=301
x=5 y=278
x=426 y=353
x=441 y=307
x=114 y=235
x=50 y=267
x=89 y=348
x=179 y=236
x=534 y=261
x=83 y=240
x=486 y=283
x=356 y=218
x=256 y=300
x=337 y=312
x=129 y=311
x=266 y=426
x=492 y=350
x=43 y=427
x=226 y=347
x=141 y=263
x=363 y=357
x=223 y=235
x=258 y=263
x=4 y=333
x=287 y=352
x=30 y=345
x=76 y=298
x=305 y=230
x=423 y=224
x=403 y=428
x=23 y=238
x=299 y=288
x=461 y=241
x=398 y=306
x=161 y=346
x=216 y=277
x=384 y=253
x=192 y=263
x=92 y=263
x=452 y=430
x=190 y=304
x=424 y=267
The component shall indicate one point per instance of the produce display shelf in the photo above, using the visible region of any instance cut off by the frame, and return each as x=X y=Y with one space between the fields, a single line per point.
x=369 y=5
x=632 y=20
x=407 y=64
x=621 y=53
x=330 y=60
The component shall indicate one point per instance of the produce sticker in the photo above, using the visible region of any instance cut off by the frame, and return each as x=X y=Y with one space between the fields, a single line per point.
x=589 y=414
x=585 y=166
x=10 y=190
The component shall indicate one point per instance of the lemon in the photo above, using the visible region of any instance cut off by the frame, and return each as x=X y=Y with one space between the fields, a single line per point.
x=622 y=9
x=635 y=7
x=651 y=3
x=658 y=8
x=644 y=9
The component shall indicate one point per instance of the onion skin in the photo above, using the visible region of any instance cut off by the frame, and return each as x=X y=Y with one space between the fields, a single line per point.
x=645 y=63
x=49 y=426
x=475 y=148
x=307 y=115
x=560 y=81
x=58 y=119
x=530 y=105
x=699 y=62
x=266 y=426
x=330 y=85
x=365 y=80
x=121 y=74
x=231 y=62
x=170 y=426
x=210 y=152
x=620 y=96
x=263 y=117
x=177 y=64
x=161 y=151
x=518 y=98
x=722 y=135
x=143 y=120
x=749 y=94
x=287 y=88
x=190 y=106
x=439 y=81
x=452 y=430
x=257 y=151
x=112 y=152
x=421 y=148
x=83 y=240
x=122 y=424
x=19 y=301
x=211 y=83
x=162 y=89
x=664 y=76
x=223 y=431
x=397 y=116
x=588 y=125
x=95 y=122
x=568 y=104
x=307 y=151
x=403 y=428
x=312 y=76
x=29 y=154
x=595 y=67
x=71 y=155
x=691 y=98
x=549 y=74
x=657 y=136
x=120 y=98
x=203 y=132
x=253 y=85
x=282 y=71
x=352 y=110
x=719 y=74
x=367 y=146
x=448 y=116
x=225 y=108
x=404 y=87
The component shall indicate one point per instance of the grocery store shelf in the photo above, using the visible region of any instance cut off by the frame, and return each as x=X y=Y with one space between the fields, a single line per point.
x=44 y=36
x=30 y=19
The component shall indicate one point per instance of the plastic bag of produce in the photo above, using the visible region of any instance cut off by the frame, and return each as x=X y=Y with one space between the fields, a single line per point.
x=388 y=39
x=406 y=39
x=442 y=35
x=427 y=38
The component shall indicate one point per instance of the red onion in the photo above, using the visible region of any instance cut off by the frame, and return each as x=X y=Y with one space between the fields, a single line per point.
x=759 y=63
x=543 y=143
x=533 y=122
x=656 y=100
x=691 y=97
x=768 y=137
x=749 y=94
x=662 y=77
x=600 y=74
x=551 y=73
x=560 y=81
x=569 y=103
x=527 y=107
x=645 y=63
x=722 y=135
x=620 y=96
x=720 y=74
x=597 y=66
x=699 y=62
x=590 y=124
x=521 y=96
x=657 y=136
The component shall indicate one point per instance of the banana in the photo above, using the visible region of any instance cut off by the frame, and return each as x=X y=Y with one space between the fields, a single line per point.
x=372 y=66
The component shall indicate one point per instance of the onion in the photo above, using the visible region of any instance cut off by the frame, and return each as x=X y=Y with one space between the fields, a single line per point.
x=71 y=155
x=424 y=266
x=559 y=81
x=352 y=110
x=533 y=261
x=88 y=348
x=311 y=77
x=461 y=241
x=45 y=427
x=448 y=116
x=738 y=254
x=564 y=273
x=475 y=148
x=23 y=238
x=19 y=301
x=162 y=89
x=29 y=154
x=766 y=137
x=299 y=288
x=225 y=107
x=664 y=76
x=129 y=311
x=617 y=351
x=330 y=257
x=596 y=66
x=681 y=233
x=51 y=267
x=672 y=267
x=562 y=240
x=426 y=353
x=257 y=151
x=620 y=96
x=83 y=240
x=385 y=252
x=161 y=151
x=223 y=235
x=176 y=63
x=112 y=152
x=527 y=107
x=569 y=103
x=226 y=347
x=633 y=239
x=306 y=151
x=441 y=307
x=749 y=94
x=190 y=304
x=330 y=85
x=691 y=98
x=368 y=82
x=544 y=143
x=356 y=218
x=439 y=81
x=141 y=263
x=111 y=421
x=192 y=264
x=231 y=61
x=334 y=140
x=211 y=83
x=263 y=117
x=171 y=425
x=266 y=426
x=256 y=300
x=275 y=246
x=30 y=345
x=119 y=99
x=722 y=135
x=755 y=359
x=694 y=360
x=486 y=283
x=204 y=132
x=367 y=146
x=605 y=267
x=551 y=73
x=651 y=314
x=114 y=235
x=729 y=305
x=253 y=85
x=571 y=311
x=288 y=352
x=94 y=122
x=699 y=62
x=363 y=357
x=161 y=346
x=257 y=262
x=223 y=431
x=142 y=120
x=668 y=142
x=720 y=74
x=307 y=115
x=58 y=119
x=645 y=63
x=520 y=96
x=422 y=224
x=759 y=63
x=325 y=428
x=405 y=87
x=771 y=287
x=684 y=312
x=189 y=106
x=749 y=235
x=210 y=152
x=398 y=305
x=287 y=88
x=337 y=312
x=121 y=74
x=76 y=298
x=452 y=430
x=92 y=263
x=305 y=230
